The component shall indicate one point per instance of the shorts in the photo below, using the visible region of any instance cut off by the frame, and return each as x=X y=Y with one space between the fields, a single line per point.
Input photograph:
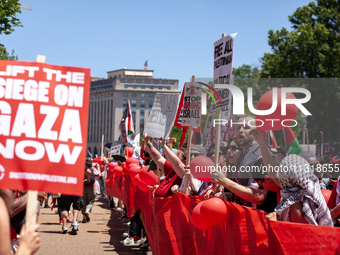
x=66 y=201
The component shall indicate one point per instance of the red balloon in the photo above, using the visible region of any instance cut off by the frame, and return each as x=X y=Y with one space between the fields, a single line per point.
x=133 y=165
x=128 y=152
x=197 y=219
x=118 y=170
x=142 y=185
x=265 y=103
x=201 y=168
x=131 y=160
x=214 y=211
x=112 y=165
x=326 y=194
x=136 y=178
x=148 y=177
x=98 y=160
x=133 y=171
x=125 y=169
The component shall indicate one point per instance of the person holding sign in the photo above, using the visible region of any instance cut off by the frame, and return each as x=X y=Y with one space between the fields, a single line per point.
x=244 y=187
x=172 y=167
x=29 y=240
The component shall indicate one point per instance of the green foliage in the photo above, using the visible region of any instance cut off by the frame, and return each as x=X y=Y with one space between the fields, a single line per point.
x=5 y=55
x=8 y=16
x=176 y=133
x=311 y=50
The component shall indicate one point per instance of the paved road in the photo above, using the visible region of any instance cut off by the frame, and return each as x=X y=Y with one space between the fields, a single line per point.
x=102 y=235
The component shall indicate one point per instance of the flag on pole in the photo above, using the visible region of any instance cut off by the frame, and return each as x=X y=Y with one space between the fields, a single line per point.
x=127 y=117
x=292 y=143
x=145 y=65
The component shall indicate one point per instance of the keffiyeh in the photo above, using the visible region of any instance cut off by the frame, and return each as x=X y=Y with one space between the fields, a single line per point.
x=299 y=184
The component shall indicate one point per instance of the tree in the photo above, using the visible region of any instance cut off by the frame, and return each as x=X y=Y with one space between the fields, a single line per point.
x=311 y=50
x=8 y=13
x=8 y=21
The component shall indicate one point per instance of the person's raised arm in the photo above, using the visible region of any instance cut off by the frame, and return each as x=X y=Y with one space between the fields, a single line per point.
x=268 y=160
x=256 y=196
x=154 y=153
x=175 y=162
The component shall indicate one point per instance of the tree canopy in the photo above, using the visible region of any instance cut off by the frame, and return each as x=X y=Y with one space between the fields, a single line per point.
x=311 y=49
x=8 y=21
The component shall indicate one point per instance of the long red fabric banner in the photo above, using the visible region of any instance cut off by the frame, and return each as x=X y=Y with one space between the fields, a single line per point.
x=246 y=231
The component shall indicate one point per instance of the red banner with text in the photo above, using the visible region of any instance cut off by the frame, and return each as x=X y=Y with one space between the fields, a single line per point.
x=43 y=126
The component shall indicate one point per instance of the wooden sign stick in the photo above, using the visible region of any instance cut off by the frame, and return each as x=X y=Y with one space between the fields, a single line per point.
x=218 y=133
x=32 y=195
x=186 y=181
x=102 y=156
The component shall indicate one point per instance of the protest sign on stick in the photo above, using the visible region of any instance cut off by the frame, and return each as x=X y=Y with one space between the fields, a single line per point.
x=42 y=133
x=115 y=150
x=191 y=114
x=162 y=115
x=223 y=66
x=32 y=195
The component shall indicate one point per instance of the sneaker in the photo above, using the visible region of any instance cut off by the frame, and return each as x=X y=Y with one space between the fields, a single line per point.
x=87 y=216
x=64 y=229
x=140 y=241
x=68 y=219
x=128 y=241
x=47 y=206
x=61 y=222
x=119 y=209
x=75 y=226
x=126 y=234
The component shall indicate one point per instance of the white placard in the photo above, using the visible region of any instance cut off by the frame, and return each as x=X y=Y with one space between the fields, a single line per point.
x=223 y=67
x=192 y=111
x=115 y=150
x=162 y=115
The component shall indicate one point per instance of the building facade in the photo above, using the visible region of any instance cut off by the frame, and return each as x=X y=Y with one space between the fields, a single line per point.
x=108 y=100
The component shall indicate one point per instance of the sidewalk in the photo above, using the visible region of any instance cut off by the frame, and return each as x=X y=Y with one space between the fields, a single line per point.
x=102 y=235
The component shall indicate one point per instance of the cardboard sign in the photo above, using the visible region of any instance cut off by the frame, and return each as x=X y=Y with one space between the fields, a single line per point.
x=43 y=126
x=162 y=115
x=115 y=150
x=191 y=115
x=223 y=67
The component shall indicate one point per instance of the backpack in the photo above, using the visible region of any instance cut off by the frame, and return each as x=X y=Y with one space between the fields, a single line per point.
x=91 y=179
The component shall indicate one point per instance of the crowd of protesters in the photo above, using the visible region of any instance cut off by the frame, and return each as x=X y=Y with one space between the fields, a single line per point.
x=291 y=194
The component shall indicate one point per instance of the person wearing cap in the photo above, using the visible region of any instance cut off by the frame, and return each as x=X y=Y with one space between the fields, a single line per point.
x=193 y=183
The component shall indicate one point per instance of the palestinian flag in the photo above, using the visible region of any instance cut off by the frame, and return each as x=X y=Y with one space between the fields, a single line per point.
x=291 y=141
x=127 y=116
x=272 y=140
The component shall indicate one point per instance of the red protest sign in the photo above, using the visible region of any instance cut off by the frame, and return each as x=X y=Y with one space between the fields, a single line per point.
x=43 y=126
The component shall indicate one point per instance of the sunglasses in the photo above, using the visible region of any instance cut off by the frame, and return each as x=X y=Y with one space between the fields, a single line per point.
x=210 y=154
x=234 y=148
x=195 y=155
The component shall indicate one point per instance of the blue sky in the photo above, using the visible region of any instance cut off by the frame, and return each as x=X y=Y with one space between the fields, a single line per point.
x=176 y=37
